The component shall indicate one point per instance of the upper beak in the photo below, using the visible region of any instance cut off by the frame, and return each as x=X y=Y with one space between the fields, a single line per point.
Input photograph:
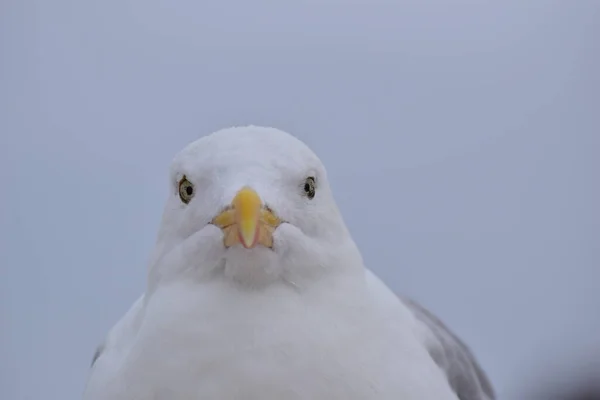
x=247 y=221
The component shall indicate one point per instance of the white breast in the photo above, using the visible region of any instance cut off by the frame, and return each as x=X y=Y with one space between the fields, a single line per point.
x=340 y=340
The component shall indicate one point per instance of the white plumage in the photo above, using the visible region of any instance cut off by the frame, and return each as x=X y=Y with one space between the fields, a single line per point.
x=301 y=320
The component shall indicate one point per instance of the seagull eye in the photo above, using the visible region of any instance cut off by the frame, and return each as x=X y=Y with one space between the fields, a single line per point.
x=309 y=187
x=186 y=190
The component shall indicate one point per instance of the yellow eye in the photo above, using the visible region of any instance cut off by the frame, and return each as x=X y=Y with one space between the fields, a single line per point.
x=186 y=190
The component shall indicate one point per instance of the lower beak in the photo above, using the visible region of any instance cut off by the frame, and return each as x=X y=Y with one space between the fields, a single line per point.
x=247 y=221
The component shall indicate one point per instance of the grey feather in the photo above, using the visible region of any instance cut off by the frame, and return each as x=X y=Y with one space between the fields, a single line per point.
x=97 y=354
x=465 y=375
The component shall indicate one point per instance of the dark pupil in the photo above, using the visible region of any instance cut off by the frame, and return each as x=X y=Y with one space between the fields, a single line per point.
x=189 y=190
x=307 y=187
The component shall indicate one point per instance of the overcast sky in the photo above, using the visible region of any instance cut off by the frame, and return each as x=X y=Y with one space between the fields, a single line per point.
x=470 y=128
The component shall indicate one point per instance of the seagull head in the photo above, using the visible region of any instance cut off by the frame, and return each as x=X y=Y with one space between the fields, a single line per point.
x=252 y=204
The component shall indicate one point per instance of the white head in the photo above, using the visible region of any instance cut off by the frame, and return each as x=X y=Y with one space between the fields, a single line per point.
x=252 y=204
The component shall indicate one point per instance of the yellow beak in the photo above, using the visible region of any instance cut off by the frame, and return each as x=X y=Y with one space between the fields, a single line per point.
x=247 y=221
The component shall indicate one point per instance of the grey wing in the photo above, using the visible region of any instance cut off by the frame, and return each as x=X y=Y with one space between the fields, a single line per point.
x=465 y=376
x=97 y=354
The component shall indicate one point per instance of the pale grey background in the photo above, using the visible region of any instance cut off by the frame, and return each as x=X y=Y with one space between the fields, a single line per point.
x=462 y=139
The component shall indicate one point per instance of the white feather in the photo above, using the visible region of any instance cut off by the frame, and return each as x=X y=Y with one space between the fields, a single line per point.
x=303 y=321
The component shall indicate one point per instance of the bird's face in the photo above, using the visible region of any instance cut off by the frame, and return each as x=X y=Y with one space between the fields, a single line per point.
x=260 y=198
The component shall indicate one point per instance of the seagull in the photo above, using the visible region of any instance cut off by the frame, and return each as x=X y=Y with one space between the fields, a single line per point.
x=255 y=290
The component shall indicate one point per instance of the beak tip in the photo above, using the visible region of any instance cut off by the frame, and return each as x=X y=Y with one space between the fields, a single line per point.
x=248 y=241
